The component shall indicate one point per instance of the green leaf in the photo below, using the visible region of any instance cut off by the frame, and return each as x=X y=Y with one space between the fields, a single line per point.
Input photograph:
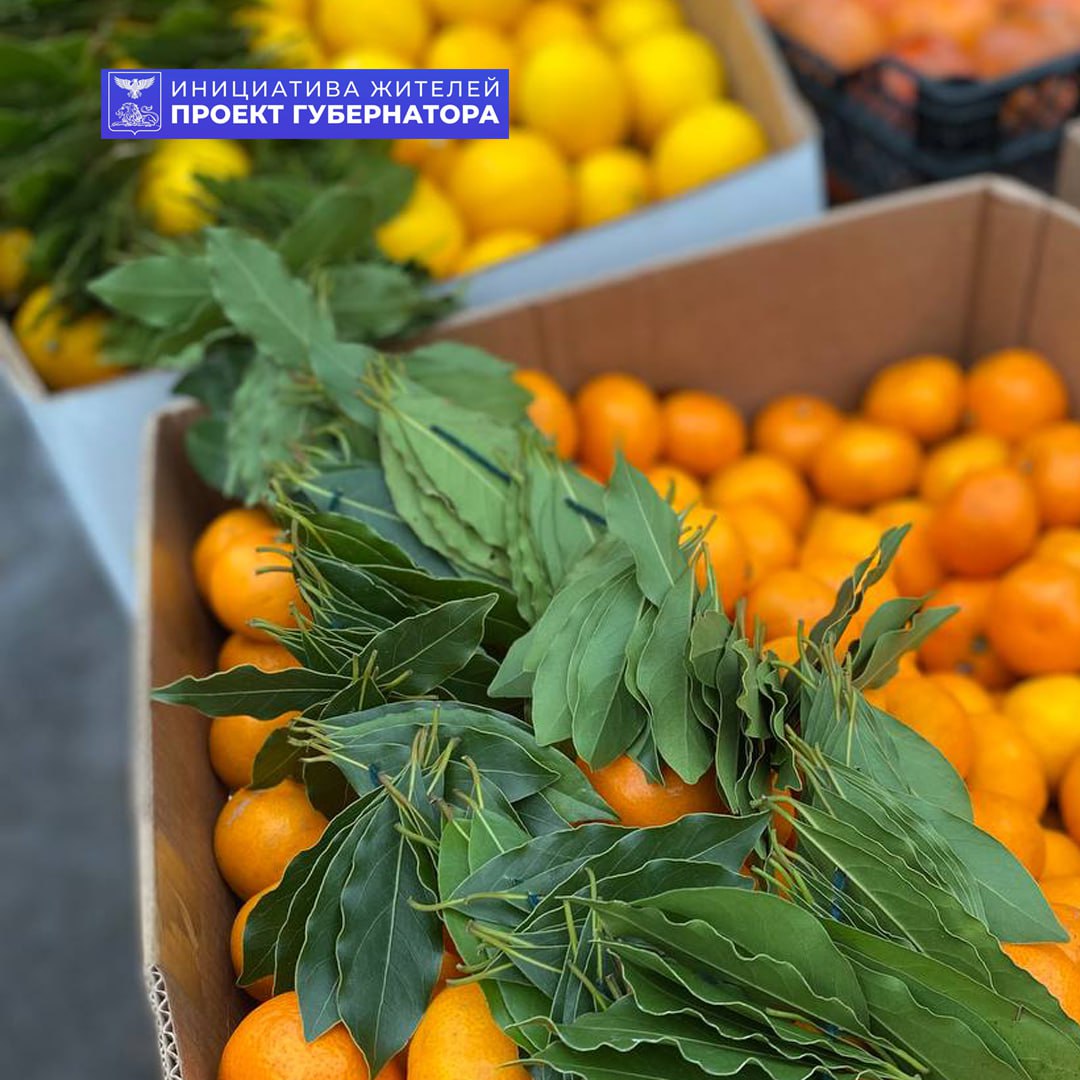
x=419 y=652
x=638 y=516
x=262 y=300
x=469 y=377
x=159 y=291
x=360 y=491
x=663 y=677
x=377 y=302
x=333 y=228
x=342 y=368
x=250 y=691
x=388 y=952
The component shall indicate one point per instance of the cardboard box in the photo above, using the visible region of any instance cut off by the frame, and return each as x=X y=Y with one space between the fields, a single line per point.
x=961 y=269
x=786 y=187
x=94 y=438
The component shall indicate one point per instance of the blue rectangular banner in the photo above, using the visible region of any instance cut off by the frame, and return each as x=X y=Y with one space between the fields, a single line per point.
x=304 y=104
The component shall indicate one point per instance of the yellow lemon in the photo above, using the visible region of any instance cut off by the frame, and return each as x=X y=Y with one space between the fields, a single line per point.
x=471 y=45
x=1047 y=711
x=170 y=193
x=284 y=40
x=15 y=246
x=428 y=231
x=573 y=92
x=668 y=74
x=550 y=20
x=706 y=144
x=370 y=59
x=622 y=22
x=399 y=26
x=65 y=353
x=501 y=13
x=517 y=183
x=611 y=183
x=497 y=247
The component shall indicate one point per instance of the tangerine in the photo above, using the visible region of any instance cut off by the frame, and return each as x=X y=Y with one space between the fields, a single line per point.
x=1049 y=964
x=239 y=649
x=458 y=1037
x=263 y=988
x=221 y=534
x=769 y=542
x=1013 y=392
x=955 y=460
x=934 y=714
x=675 y=485
x=1005 y=763
x=962 y=643
x=626 y=788
x=250 y=581
x=1050 y=457
x=258 y=833
x=769 y=481
x=702 y=432
x=923 y=396
x=550 y=410
x=1047 y=710
x=862 y=463
x=618 y=412
x=786 y=599
x=235 y=742
x=794 y=426
x=1034 y=618
x=725 y=551
x=988 y=522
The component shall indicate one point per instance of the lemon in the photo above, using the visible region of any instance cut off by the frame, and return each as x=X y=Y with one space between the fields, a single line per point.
x=170 y=193
x=428 y=231
x=611 y=183
x=400 y=26
x=497 y=247
x=517 y=183
x=370 y=59
x=707 y=143
x=65 y=353
x=411 y=151
x=622 y=22
x=668 y=74
x=573 y=92
x=15 y=246
x=471 y=45
x=501 y=13
x=283 y=39
x=550 y=20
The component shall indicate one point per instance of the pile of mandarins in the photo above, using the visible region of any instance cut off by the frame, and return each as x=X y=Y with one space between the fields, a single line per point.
x=985 y=467
x=942 y=39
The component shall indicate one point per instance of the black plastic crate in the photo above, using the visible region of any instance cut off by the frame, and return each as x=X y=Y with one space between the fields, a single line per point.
x=886 y=127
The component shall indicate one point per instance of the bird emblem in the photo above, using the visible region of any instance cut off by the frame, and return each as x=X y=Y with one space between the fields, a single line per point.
x=133 y=86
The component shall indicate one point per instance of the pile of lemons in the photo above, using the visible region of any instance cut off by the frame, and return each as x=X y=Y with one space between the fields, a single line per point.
x=615 y=103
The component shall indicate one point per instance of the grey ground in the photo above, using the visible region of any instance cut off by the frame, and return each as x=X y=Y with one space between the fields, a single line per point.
x=71 y=997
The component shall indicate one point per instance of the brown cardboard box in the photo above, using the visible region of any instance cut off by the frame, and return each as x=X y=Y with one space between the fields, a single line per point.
x=960 y=269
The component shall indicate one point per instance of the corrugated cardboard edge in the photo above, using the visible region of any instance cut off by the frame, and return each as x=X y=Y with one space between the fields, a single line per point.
x=142 y=742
